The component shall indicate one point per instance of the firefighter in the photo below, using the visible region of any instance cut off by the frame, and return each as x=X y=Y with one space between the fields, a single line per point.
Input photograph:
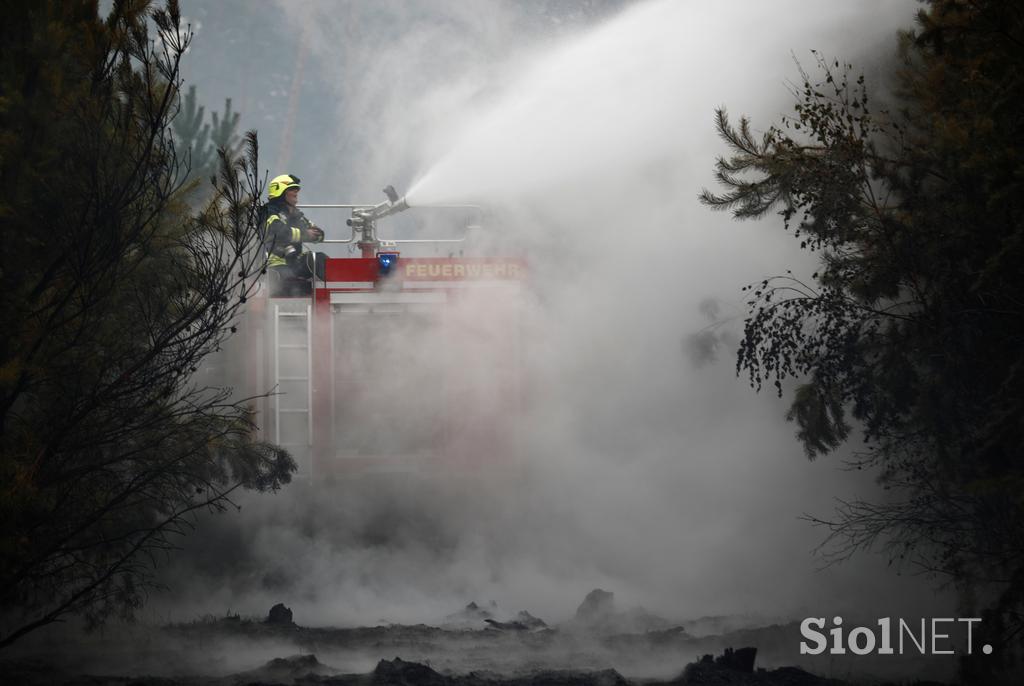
x=285 y=229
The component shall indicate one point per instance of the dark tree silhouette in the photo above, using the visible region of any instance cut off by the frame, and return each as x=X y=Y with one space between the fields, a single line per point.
x=113 y=291
x=912 y=330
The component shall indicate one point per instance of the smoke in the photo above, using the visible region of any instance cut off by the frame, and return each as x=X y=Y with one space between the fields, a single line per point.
x=588 y=139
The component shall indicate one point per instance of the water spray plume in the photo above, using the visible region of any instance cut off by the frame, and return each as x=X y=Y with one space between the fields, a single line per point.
x=638 y=89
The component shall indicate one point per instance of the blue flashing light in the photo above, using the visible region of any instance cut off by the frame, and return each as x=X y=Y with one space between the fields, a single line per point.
x=385 y=261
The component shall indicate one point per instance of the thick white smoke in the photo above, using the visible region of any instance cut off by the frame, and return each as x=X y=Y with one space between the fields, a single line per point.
x=674 y=486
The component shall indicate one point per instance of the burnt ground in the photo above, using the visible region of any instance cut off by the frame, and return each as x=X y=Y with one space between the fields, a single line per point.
x=232 y=651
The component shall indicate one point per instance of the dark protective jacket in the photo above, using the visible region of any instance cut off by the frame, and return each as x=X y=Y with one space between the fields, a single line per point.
x=283 y=226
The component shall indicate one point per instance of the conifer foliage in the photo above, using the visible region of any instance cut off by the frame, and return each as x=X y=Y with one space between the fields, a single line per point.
x=197 y=141
x=912 y=330
x=112 y=291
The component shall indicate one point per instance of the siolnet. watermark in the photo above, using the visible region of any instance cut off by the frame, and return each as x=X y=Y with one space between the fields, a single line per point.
x=892 y=636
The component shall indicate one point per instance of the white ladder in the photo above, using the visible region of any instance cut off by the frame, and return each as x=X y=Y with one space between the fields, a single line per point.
x=293 y=373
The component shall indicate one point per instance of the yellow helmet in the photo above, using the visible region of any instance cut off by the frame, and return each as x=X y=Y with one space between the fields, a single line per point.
x=279 y=184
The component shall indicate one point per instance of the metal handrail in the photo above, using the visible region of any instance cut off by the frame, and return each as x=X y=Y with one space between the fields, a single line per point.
x=338 y=240
x=352 y=238
x=354 y=207
x=342 y=207
x=423 y=240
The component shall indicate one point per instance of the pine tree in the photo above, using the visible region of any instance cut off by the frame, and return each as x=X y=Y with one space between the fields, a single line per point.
x=911 y=331
x=112 y=291
x=192 y=136
x=197 y=141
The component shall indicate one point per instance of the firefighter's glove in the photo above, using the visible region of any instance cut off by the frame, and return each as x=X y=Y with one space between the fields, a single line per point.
x=291 y=253
x=313 y=234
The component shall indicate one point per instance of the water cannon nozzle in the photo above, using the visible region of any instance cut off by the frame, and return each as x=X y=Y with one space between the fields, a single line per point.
x=393 y=205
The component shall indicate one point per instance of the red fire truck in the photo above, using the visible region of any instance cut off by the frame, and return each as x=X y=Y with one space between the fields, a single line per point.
x=393 y=362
